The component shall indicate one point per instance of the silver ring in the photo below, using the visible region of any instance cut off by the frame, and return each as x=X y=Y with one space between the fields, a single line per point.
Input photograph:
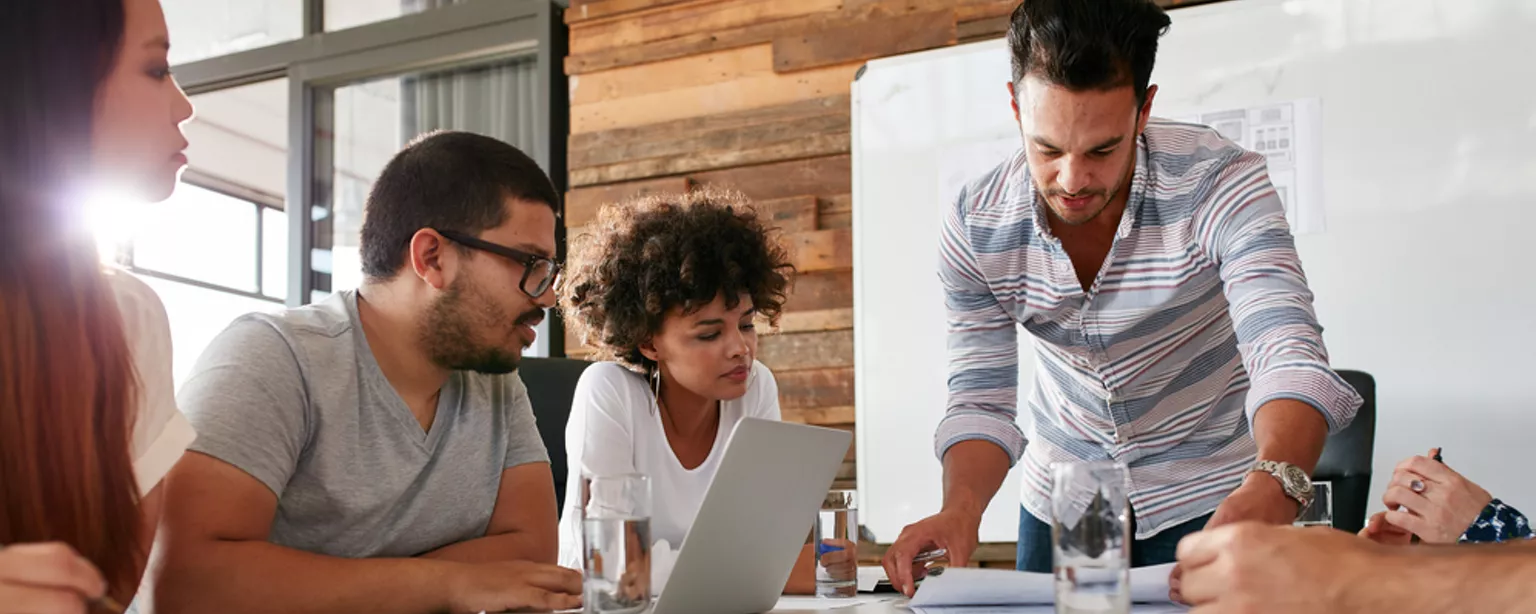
x=1416 y=486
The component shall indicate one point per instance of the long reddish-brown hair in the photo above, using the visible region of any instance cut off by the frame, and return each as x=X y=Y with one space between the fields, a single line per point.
x=67 y=384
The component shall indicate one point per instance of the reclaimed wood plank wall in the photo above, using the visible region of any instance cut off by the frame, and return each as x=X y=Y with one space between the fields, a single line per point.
x=669 y=95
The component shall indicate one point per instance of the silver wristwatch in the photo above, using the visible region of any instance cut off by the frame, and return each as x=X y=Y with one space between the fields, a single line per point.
x=1294 y=480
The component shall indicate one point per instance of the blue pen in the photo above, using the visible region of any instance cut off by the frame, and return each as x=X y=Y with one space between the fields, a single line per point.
x=822 y=548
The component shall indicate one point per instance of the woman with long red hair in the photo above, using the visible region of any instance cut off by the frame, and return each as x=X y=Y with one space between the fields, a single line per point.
x=88 y=422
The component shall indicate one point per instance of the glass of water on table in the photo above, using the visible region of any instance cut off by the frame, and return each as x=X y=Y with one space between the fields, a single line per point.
x=837 y=545
x=616 y=543
x=1090 y=522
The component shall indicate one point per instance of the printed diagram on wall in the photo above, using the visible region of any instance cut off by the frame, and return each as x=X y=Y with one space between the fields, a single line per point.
x=1289 y=136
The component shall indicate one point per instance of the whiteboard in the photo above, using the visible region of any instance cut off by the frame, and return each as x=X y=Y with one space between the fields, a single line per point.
x=1427 y=174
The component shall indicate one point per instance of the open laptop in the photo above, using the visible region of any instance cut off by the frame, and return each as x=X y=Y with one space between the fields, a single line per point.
x=754 y=519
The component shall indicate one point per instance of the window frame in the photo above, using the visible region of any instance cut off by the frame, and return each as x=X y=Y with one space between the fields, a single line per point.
x=471 y=33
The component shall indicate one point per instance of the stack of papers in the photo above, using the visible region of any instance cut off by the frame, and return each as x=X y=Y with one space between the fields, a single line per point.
x=998 y=587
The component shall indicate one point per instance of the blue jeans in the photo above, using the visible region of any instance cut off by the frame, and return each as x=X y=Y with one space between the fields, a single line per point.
x=1035 y=543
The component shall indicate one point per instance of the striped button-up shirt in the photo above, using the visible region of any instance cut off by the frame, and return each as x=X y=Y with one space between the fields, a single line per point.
x=1199 y=316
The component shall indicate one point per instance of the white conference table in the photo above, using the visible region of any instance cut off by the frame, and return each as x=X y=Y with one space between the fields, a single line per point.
x=887 y=604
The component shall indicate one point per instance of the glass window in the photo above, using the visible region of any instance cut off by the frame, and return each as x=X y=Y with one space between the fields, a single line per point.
x=374 y=120
x=202 y=29
x=199 y=234
x=343 y=14
x=197 y=315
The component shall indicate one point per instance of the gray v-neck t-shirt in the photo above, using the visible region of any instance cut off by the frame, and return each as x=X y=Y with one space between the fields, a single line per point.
x=296 y=400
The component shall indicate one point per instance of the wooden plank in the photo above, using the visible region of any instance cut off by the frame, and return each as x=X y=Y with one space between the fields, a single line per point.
x=693 y=71
x=985 y=9
x=609 y=146
x=789 y=215
x=822 y=416
x=848 y=471
x=836 y=212
x=581 y=10
x=818 y=388
x=582 y=204
x=828 y=175
x=753 y=92
x=864 y=40
x=818 y=320
x=786 y=352
x=820 y=291
x=694 y=44
x=686 y=18
x=982 y=29
x=822 y=250
x=716 y=151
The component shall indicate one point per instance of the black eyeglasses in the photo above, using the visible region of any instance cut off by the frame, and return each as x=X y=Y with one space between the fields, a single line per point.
x=539 y=271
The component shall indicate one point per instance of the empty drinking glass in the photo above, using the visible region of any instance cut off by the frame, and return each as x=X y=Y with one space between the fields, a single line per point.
x=1320 y=512
x=616 y=539
x=837 y=545
x=1089 y=536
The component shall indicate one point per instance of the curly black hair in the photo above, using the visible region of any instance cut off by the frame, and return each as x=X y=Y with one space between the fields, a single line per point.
x=643 y=258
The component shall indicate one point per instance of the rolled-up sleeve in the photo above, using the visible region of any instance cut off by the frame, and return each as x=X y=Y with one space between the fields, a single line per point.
x=1242 y=227
x=983 y=352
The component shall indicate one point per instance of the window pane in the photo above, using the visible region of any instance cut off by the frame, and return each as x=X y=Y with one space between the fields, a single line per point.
x=343 y=14
x=274 y=253
x=371 y=121
x=202 y=29
x=197 y=315
x=239 y=147
x=199 y=234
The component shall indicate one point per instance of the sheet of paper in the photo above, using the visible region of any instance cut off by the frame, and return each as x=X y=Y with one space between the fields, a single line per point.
x=1138 y=608
x=1289 y=134
x=790 y=603
x=970 y=587
x=869 y=577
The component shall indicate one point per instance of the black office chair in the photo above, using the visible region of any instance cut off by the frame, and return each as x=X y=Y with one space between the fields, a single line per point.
x=1346 y=461
x=551 y=383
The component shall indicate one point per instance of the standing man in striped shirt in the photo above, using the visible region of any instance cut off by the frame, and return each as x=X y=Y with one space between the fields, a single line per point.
x=1152 y=263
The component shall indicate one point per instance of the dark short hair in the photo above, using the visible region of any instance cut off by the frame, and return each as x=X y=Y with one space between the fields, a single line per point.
x=643 y=258
x=1087 y=44
x=457 y=181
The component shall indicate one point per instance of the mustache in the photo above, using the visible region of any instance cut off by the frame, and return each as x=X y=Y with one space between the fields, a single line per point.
x=1064 y=193
x=531 y=318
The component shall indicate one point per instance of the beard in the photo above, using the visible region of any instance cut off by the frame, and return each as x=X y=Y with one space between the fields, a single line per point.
x=449 y=331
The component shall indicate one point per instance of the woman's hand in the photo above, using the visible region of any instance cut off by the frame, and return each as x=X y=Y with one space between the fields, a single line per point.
x=47 y=578
x=1428 y=499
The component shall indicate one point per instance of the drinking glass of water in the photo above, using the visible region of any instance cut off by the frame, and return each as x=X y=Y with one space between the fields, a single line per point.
x=1090 y=522
x=1320 y=512
x=616 y=543
x=837 y=545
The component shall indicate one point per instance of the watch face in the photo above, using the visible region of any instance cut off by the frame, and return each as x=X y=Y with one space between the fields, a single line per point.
x=1295 y=478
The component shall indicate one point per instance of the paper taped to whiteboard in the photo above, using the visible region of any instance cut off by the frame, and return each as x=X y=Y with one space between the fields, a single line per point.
x=1288 y=134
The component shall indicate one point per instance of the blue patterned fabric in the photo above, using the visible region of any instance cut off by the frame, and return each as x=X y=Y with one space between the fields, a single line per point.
x=1498 y=523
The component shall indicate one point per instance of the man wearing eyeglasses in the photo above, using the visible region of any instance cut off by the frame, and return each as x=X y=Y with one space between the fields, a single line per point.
x=375 y=451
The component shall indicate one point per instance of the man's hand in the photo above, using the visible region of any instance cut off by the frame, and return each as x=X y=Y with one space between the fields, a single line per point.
x=513 y=585
x=1259 y=499
x=1256 y=569
x=1385 y=533
x=956 y=531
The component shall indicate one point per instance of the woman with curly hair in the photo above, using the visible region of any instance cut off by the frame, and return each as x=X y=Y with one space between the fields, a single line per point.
x=669 y=290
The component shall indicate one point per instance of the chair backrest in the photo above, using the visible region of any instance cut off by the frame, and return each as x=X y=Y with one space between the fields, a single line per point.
x=1347 y=456
x=551 y=385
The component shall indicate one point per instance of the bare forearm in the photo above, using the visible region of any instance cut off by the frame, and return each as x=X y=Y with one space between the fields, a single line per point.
x=233 y=577
x=973 y=471
x=1290 y=431
x=1492 y=579
x=515 y=546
